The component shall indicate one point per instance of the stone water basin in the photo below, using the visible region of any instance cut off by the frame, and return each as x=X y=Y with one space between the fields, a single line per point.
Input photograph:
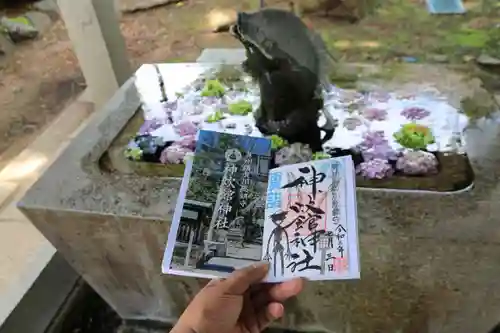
x=428 y=263
x=372 y=112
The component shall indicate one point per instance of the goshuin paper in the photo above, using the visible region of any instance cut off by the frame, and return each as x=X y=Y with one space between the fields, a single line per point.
x=219 y=218
x=311 y=225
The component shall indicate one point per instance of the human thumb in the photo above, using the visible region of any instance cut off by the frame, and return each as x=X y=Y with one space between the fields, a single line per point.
x=239 y=281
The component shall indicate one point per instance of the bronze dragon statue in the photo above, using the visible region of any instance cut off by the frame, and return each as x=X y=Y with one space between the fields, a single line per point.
x=291 y=64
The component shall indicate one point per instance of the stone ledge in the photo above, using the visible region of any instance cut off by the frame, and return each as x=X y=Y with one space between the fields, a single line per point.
x=226 y=56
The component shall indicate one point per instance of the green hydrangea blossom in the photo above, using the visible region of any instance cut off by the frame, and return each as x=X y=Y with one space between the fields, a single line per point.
x=320 y=156
x=213 y=88
x=277 y=142
x=134 y=154
x=240 y=108
x=215 y=117
x=414 y=136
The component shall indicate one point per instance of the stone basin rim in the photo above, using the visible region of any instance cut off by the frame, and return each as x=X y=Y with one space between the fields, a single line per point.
x=84 y=187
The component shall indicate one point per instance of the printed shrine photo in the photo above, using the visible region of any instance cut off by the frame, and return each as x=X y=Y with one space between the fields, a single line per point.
x=221 y=227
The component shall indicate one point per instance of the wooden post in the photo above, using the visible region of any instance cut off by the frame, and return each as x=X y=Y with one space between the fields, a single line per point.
x=94 y=31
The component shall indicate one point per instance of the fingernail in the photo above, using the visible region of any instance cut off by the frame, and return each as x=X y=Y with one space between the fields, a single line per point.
x=262 y=265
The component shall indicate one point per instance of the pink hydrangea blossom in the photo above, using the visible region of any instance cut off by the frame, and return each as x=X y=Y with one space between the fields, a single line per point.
x=375 y=169
x=417 y=163
x=186 y=128
x=189 y=141
x=174 y=154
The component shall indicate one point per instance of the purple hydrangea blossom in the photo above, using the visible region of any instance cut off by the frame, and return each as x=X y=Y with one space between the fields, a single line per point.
x=351 y=123
x=210 y=100
x=415 y=113
x=149 y=126
x=382 y=151
x=174 y=154
x=186 y=128
x=132 y=145
x=417 y=163
x=171 y=106
x=375 y=169
x=379 y=96
x=375 y=114
x=373 y=138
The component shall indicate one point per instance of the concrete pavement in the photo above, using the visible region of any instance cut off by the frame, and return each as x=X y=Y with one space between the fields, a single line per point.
x=24 y=251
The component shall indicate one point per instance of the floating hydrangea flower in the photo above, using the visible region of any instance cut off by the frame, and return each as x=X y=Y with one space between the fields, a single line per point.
x=373 y=138
x=188 y=141
x=149 y=126
x=414 y=136
x=382 y=151
x=407 y=96
x=210 y=100
x=375 y=169
x=351 y=123
x=417 y=163
x=174 y=154
x=213 y=88
x=415 y=113
x=293 y=154
x=186 y=128
x=277 y=142
x=321 y=156
x=133 y=152
x=240 y=108
x=149 y=144
x=215 y=117
x=171 y=106
x=375 y=114
x=170 y=109
x=379 y=96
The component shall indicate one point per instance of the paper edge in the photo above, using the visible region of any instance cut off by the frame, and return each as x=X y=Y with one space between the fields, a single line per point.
x=352 y=222
x=174 y=226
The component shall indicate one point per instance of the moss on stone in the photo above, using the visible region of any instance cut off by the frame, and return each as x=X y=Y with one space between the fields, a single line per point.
x=228 y=74
x=475 y=108
x=345 y=77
